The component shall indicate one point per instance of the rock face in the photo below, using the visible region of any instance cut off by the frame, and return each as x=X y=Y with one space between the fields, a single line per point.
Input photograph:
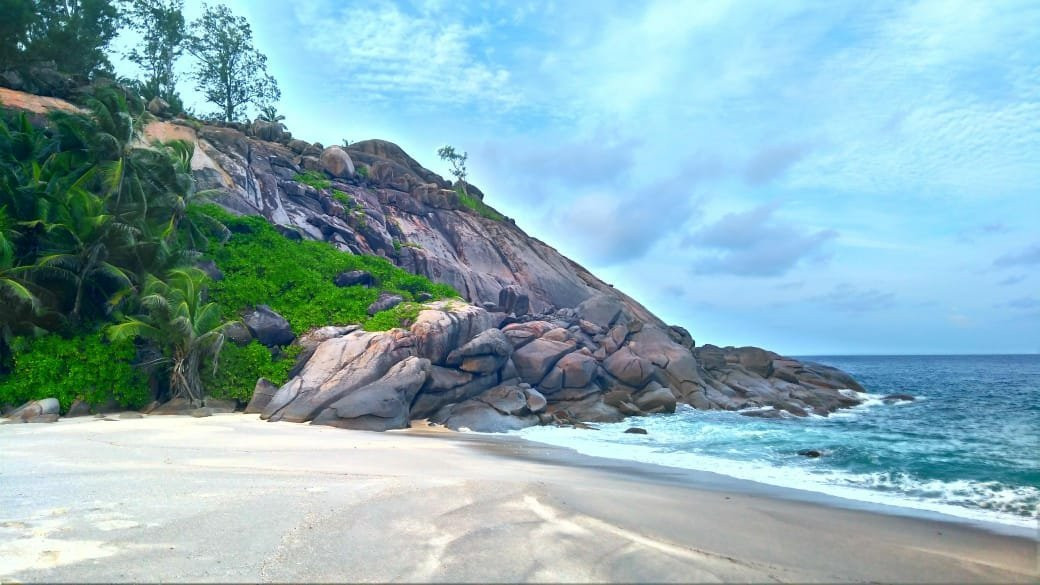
x=37 y=411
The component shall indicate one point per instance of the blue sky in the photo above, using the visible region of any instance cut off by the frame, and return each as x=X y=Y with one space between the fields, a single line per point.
x=810 y=177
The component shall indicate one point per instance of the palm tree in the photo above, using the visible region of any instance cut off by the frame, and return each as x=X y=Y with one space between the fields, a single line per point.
x=18 y=301
x=189 y=330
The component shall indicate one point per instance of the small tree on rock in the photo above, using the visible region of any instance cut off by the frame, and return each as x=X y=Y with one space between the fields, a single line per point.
x=232 y=74
x=458 y=164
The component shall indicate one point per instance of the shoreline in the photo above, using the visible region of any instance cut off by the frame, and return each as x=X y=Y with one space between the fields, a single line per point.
x=232 y=498
x=721 y=482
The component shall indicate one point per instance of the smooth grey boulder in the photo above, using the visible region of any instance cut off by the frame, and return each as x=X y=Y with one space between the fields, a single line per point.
x=513 y=300
x=520 y=334
x=535 y=400
x=628 y=367
x=578 y=369
x=481 y=417
x=336 y=162
x=268 y=327
x=263 y=392
x=506 y=399
x=158 y=107
x=210 y=269
x=656 y=398
x=534 y=360
x=237 y=333
x=380 y=405
x=600 y=309
x=37 y=411
x=78 y=408
x=485 y=353
x=385 y=302
x=355 y=278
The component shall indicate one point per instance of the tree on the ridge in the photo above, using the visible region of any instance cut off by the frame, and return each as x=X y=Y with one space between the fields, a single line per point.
x=162 y=29
x=74 y=34
x=14 y=30
x=269 y=113
x=232 y=73
x=458 y=164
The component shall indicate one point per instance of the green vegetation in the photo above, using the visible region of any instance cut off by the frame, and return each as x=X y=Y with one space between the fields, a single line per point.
x=85 y=367
x=313 y=179
x=161 y=26
x=187 y=330
x=295 y=278
x=231 y=73
x=343 y=198
x=457 y=162
x=240 y=367
x=73 y=34
x=478 y=206
x=362 y=170
x=399 y=316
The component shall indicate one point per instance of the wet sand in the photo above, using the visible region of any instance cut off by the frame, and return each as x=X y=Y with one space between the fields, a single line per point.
x=230 y=498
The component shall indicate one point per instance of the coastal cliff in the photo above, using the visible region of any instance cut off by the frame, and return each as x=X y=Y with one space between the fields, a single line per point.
x=539 y=340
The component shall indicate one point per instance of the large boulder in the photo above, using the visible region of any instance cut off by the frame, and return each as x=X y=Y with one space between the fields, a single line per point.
x=355 y=278
x=45 y=410
x=629 y=368
x=506 y=399
x=534 y=360
x=656 y=398
x=577 y=368
x=336 y=162
x=447 y=325
x=380 y=405
x=520 y=334
x=263 y=392
x=481 y=417
x=386 y=301
x=268 y=327
x=601 y=309
x=485 y=353
x=338 y=367
x=513 y=300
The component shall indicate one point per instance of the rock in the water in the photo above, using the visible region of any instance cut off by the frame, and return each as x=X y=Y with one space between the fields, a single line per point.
x=657 y=399
x=384 y=302
x=268 y=327
x=355 y=278
x=636 y=431
x=763 y=413
x=381 y=405
x=811 y=453
x=893 y=398
x=263 y=392
x=336 y=162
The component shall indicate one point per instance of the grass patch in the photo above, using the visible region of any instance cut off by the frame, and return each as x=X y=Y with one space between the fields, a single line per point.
x=478 y=206
x=313 y=179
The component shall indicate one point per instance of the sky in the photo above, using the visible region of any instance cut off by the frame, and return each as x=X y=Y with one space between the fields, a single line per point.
x=816 y=178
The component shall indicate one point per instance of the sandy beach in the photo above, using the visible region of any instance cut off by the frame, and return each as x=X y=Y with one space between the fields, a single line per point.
x=230 y=498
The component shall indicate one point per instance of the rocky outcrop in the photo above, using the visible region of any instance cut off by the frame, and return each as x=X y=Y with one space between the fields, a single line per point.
x=466 y=368
x=36 y=411
x=538 y=328
x=268 y=327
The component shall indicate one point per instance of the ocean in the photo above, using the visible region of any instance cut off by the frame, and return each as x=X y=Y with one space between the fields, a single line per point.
x=968 y=446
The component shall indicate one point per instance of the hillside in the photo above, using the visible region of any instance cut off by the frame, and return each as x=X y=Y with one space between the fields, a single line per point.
x=542 y=340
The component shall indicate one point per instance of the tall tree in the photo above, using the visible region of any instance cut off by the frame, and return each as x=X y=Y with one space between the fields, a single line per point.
x=162 y=29
x=232 y=73
x=74 y=34
x=14 y=30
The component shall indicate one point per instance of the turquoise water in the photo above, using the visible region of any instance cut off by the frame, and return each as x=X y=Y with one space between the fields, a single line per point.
x=968 y=446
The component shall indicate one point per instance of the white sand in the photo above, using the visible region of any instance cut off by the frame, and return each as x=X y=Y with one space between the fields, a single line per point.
x=232 y=498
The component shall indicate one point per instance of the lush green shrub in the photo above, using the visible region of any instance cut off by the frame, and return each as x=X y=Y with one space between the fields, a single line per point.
x=344 y=198
x=400 y=316
x=295 y=277
x=314 y=179
x=362 y=171
x=87 y=367
x=240 y=367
